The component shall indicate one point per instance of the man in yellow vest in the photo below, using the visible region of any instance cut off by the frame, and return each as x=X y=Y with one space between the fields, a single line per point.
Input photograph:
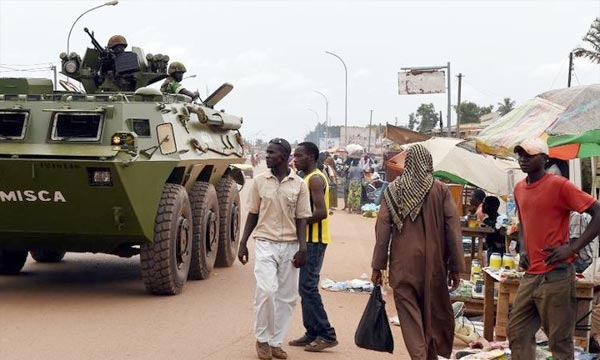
x=319 y=333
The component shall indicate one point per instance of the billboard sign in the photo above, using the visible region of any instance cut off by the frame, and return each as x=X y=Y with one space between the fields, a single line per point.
x=421 y=82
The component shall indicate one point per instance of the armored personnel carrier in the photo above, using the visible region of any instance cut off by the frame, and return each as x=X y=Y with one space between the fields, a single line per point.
x=119 y=168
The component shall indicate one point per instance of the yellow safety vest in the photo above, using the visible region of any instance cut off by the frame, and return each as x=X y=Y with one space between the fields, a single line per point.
x=319 y=231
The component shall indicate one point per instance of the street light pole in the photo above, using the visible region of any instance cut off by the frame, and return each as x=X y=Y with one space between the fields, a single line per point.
x=317 y=128
x=108 y=3
x=345 y=96
x=326 y=118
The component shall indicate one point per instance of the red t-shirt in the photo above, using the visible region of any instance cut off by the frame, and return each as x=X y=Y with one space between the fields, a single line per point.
x=544 y=208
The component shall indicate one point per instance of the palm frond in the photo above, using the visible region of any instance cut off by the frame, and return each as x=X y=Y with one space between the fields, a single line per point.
x=593 y=56
x=593 y=39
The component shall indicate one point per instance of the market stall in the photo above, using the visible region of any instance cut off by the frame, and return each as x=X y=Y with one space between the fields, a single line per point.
x=507 y=290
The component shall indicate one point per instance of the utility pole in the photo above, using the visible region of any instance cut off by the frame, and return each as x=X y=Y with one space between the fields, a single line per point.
x=570 y=68
x=370 y=124
x=459 y=76
x=396 y=123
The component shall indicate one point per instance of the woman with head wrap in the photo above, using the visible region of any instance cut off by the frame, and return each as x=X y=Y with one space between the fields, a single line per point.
x=419 y=224
x=355 y=177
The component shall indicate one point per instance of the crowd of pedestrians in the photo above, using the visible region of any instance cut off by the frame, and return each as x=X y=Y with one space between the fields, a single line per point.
x=418 y=240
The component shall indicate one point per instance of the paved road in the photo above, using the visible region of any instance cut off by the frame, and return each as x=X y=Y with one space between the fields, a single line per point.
x=95 y=307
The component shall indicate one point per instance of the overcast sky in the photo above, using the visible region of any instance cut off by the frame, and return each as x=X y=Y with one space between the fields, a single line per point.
x=273 y=52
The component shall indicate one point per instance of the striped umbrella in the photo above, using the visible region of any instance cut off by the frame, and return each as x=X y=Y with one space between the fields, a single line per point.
x=568 y=118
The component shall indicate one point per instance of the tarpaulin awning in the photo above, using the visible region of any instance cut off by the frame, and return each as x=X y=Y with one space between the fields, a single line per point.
x=568 y=118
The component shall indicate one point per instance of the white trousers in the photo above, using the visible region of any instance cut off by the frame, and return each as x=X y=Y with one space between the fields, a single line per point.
x=276 y=290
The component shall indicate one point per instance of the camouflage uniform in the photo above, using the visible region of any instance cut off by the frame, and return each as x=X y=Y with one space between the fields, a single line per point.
x=171 y=86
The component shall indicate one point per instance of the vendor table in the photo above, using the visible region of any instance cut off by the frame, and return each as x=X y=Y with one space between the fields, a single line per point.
x=507 y=290
x=474 y=233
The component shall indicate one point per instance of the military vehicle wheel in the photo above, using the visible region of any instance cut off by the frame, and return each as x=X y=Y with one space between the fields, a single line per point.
x=229 y=229
x=47 y=256
x=205 y=238
x=12 y=261
x=165 y=263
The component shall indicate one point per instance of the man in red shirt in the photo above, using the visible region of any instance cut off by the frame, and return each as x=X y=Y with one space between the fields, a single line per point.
x=546 y=295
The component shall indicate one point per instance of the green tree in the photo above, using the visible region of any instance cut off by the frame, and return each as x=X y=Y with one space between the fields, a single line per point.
x=470 y=112
x=486 y=109
x=427 y=117
x=506 y=106
x=412 y=121
x=592 y=39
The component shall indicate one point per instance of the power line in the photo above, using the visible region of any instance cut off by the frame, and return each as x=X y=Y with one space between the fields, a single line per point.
x=35 y=70
x=576 y=77
x=558 y=73
x=12 y=68
x=489 y=94
x=29 y=69
x=36 y=64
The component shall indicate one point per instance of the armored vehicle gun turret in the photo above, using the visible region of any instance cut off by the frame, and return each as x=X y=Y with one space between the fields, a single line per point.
x=103 y=70
x=118 y=168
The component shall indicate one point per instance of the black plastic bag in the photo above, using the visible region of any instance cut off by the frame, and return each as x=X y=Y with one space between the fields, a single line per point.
x=373 y=330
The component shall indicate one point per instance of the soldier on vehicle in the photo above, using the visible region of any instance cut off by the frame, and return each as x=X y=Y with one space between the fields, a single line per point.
x=172 y=84
x=114 y=48
x=117 y=44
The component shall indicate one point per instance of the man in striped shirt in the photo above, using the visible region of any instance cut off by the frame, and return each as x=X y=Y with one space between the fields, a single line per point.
x=319 y=333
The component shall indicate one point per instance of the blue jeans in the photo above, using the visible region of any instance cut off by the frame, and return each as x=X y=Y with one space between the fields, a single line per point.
x=314 y=316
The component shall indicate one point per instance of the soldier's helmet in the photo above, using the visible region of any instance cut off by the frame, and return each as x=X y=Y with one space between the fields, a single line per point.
x=116 y=40
x=176 y=66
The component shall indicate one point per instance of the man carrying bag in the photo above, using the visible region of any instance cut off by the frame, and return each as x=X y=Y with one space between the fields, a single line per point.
x=373 y=332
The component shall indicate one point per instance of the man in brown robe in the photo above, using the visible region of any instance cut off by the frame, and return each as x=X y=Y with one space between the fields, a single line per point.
x=420 y=220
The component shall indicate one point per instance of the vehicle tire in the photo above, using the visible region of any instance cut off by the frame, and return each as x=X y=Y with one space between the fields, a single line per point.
x=47 y=256
x=166 y=261
x=12 y=261
x=205 y=237
x=229 y=224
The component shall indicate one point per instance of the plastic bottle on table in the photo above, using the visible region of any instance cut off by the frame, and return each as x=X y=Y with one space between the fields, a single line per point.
x=511 y=207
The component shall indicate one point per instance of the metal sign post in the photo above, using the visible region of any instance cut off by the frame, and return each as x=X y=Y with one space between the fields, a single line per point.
x=426 y=80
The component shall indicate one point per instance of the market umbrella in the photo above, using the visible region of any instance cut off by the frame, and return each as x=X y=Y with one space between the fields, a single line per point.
x=462 y=166
x=568 y=118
